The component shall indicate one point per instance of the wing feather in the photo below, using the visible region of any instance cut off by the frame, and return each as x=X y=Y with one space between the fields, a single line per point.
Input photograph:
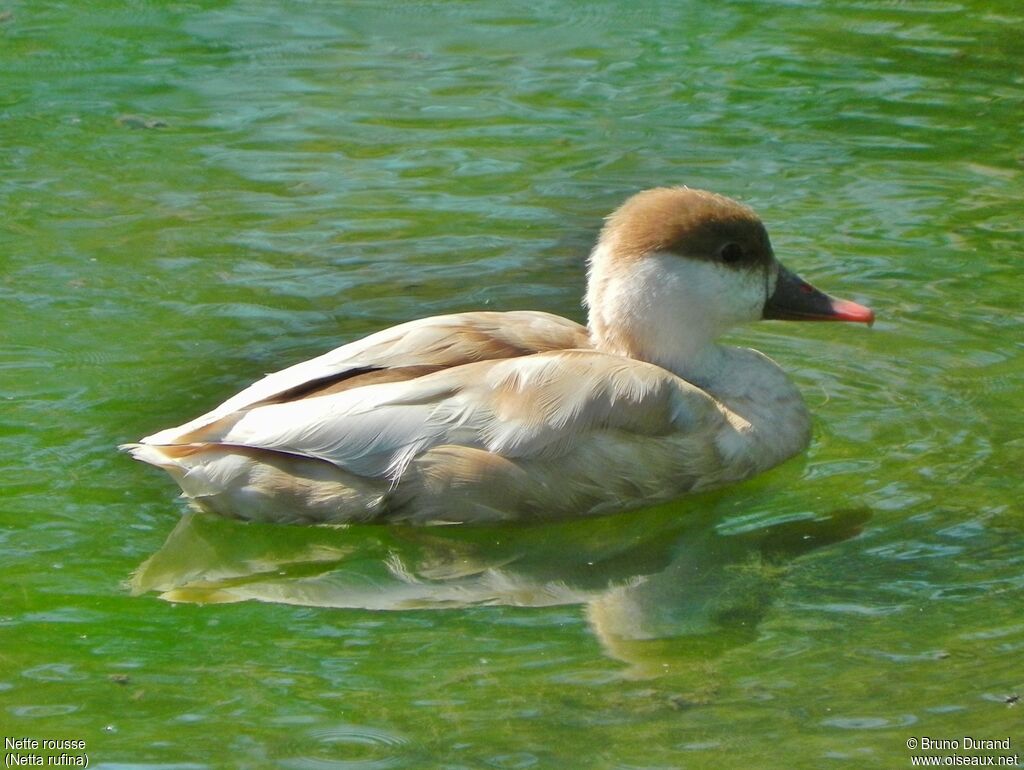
x=436 y=343
x=538 y=406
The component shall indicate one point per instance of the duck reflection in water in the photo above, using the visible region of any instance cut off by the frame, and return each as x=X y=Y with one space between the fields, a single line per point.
x=660 y=590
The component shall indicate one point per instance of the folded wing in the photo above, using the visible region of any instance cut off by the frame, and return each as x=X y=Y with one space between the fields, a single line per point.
x=400 y=352
x=528 y=408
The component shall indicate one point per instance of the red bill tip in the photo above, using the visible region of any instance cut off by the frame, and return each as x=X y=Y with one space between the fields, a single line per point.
x=845 y=310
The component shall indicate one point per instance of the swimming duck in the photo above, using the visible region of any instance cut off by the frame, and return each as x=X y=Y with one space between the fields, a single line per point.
x=487 y=416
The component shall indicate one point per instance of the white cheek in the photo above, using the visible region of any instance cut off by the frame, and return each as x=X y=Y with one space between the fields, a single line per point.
x=666 y=308
x=727 y=295
x=752 y=290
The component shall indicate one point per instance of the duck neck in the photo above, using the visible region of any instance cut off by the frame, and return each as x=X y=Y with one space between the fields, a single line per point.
x=641 y=310
x=699 y=362
x=701 y=366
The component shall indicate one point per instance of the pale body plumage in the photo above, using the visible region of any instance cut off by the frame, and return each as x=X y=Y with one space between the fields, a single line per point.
x=521 y=415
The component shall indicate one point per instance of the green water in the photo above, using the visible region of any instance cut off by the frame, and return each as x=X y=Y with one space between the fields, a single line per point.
x=197 y=192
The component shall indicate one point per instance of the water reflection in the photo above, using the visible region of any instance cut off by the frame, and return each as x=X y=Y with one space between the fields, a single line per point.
x=655 y=585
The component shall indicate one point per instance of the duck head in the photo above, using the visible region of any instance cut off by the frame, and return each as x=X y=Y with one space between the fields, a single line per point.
x=674 y=268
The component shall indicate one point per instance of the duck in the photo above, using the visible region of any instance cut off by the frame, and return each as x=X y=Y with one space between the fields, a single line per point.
x=523 y=415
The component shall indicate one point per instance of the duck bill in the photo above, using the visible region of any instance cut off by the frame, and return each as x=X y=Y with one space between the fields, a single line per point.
x=796 y=300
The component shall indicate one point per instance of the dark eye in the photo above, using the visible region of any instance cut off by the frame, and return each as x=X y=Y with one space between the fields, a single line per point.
x=731 y=253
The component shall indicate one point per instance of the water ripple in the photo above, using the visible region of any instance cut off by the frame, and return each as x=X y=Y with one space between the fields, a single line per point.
x=348 y=747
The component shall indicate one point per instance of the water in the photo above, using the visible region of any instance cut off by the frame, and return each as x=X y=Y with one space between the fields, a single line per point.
x=194 y=193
